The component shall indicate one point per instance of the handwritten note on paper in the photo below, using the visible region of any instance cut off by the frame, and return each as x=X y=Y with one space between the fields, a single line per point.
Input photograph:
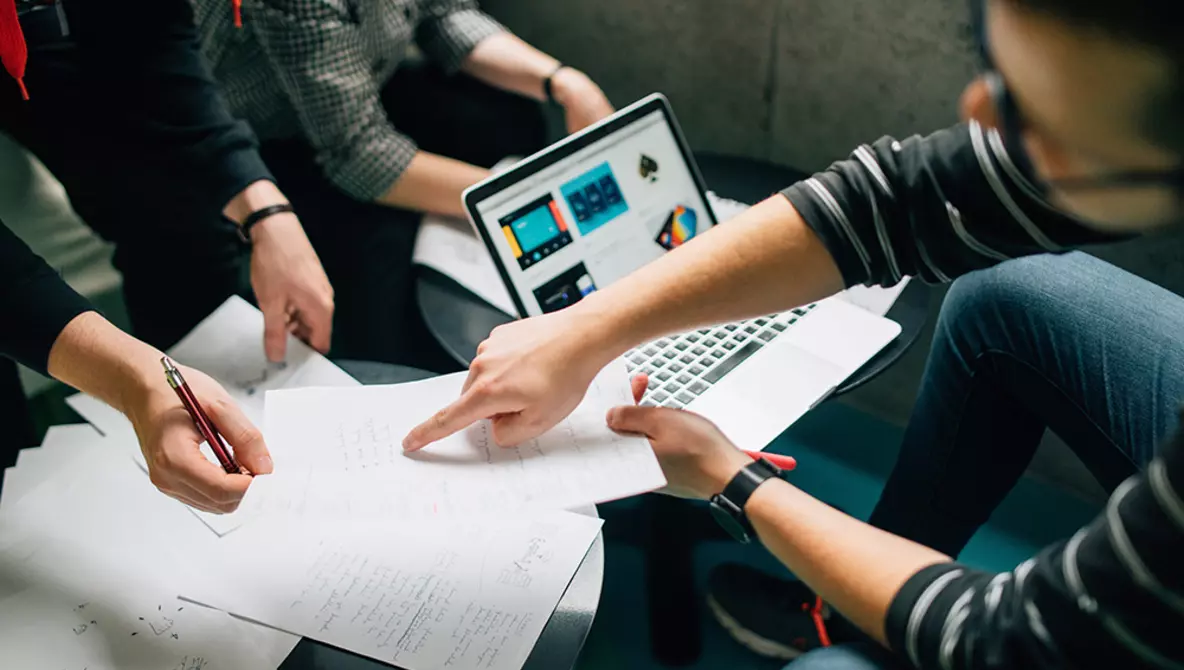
x=94 y=557
x=470 y=596
x=337 y=452
x=40 y=628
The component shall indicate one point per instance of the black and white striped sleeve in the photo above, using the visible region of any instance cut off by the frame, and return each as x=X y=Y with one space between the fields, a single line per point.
x=1110 y=597
x=933 y=207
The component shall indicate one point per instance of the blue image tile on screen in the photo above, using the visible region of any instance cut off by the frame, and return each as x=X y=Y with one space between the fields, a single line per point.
x=594 y=198
x=535 y=229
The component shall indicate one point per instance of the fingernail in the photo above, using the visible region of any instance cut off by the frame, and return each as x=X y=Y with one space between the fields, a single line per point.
x=265 y=463
x=408 y=444
x=611 y=417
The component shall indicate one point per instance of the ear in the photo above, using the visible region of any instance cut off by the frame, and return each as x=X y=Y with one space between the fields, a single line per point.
x=977 y=104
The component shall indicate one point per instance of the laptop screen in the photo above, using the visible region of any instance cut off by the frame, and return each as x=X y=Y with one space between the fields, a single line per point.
x=596 y=215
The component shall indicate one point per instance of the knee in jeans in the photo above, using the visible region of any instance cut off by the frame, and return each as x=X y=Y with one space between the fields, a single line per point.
x=1034 y=286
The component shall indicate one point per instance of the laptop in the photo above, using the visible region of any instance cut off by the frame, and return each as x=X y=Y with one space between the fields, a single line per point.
x=594 y=207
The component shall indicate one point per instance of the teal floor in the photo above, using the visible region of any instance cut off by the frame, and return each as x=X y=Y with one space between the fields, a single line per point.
x=844 y=457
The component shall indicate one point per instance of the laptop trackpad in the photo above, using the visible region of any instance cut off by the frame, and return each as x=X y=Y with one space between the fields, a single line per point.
x=758 y=400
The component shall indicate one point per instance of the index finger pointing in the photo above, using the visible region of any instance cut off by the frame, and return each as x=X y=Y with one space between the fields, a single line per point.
x=466 y=410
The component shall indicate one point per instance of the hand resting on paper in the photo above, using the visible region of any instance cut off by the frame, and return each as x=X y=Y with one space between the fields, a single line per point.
x=171 y=444
x=697 y=459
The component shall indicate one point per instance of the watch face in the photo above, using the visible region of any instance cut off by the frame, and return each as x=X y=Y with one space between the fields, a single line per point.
x=726 y=519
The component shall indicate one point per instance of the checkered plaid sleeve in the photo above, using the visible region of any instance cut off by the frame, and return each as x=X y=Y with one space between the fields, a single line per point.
x=317 y=52
x=451 y=29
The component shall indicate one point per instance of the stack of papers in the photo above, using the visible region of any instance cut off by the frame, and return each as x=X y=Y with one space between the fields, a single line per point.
x=453 y=557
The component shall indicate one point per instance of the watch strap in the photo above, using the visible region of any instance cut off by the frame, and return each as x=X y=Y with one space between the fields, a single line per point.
x=742 y=486
x=254 y=218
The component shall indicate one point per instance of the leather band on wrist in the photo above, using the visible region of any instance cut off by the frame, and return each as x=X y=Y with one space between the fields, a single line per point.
x=256 y=217
x=728 y=506
x=548 y=85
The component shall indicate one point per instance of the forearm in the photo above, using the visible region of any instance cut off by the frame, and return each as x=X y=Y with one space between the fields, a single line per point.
x=506 y=62
x=94 y=356
x=765 y=260
x=855 y=567
x=434 y=184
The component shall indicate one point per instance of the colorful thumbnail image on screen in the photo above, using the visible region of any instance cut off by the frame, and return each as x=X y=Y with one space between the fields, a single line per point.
x=565 y=289
x=535 y=231
x=681 y=225
x=594 y=198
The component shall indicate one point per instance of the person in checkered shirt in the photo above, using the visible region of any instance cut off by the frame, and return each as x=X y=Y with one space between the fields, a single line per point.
x=372 y=112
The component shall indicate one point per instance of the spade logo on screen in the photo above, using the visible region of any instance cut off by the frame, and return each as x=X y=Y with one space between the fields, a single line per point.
x=648 y=168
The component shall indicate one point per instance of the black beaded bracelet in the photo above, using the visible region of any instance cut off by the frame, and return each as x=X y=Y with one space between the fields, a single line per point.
x=244 y=231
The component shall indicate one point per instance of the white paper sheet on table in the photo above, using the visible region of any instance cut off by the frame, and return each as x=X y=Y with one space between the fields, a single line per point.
x=472 y=595
x=451 y=247
x=338 y=453
x=90 y=564
x=62 y=444
x=228 y=346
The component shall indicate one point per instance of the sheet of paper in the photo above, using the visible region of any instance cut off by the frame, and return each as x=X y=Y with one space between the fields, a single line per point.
x=472 y=595
x=94 y=558
x=451 y=247
x=725 y=208
x=61 y=445
x=337 y=453
x=228 y=346
x=875 y=299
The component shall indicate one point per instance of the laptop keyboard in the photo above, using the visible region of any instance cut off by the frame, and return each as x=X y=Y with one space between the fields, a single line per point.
x=683 y=367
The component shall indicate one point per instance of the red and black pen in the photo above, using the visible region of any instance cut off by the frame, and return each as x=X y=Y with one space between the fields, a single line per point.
x=200 y=418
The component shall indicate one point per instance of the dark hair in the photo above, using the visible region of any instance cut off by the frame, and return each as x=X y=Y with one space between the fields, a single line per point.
x=1157 y=24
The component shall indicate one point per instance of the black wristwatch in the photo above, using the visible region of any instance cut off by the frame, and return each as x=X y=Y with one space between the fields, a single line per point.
x=728 y=506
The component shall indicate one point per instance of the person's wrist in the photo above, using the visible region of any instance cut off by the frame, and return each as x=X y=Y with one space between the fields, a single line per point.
x=567 y=84
x=272 y=226
x=253 y=198
x=602 y=335
x=721 y=468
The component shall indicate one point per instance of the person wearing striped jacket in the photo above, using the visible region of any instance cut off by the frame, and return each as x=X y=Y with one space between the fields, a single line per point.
x=1072 y=135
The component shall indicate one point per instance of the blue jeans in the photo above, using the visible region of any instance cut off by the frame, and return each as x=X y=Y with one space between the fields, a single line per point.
x=1068 y=343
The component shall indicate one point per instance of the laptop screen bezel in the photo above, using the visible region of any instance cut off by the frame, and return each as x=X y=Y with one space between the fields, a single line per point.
x=478 y=193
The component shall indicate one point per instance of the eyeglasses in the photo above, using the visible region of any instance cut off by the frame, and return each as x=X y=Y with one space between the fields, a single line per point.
x=1011 y=125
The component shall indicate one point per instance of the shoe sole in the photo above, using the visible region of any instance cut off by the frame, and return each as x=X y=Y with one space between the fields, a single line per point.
x=757 y=644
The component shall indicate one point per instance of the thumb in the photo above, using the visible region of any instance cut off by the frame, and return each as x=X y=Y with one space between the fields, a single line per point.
x=635 y=419
x=245 y=439
x=275 y=332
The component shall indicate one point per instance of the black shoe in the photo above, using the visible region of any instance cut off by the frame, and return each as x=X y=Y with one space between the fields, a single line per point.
x=772 y=617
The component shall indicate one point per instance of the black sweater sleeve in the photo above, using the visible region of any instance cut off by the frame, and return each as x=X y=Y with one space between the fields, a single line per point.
x=1110 y=597
x=171 y=109
x=935 y=207
x=35 y=304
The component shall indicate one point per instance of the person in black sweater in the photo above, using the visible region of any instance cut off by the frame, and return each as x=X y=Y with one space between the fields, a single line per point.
x=122 y=109
x=1072 y=136
x=55 y=331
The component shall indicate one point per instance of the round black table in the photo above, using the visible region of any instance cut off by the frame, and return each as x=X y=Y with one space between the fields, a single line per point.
x=561 y=640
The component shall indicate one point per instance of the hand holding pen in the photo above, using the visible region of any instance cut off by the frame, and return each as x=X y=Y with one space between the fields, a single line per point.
x=175 y=416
